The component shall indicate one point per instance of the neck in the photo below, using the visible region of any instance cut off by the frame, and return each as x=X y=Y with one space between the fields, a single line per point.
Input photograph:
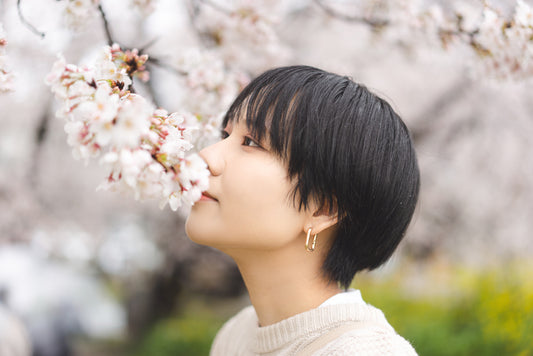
x=283 y=282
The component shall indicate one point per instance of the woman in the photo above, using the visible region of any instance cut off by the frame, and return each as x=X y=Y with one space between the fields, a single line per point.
x=314 y=180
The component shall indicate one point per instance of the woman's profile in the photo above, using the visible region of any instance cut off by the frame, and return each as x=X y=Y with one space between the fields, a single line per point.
x=314 y=180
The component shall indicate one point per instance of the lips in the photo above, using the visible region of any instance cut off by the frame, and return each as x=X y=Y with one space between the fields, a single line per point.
x=207 y=196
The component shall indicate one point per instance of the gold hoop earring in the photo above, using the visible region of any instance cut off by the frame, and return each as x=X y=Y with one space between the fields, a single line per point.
x=313 y=244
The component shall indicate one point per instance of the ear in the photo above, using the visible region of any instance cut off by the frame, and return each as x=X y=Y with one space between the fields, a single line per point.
x=320 y=220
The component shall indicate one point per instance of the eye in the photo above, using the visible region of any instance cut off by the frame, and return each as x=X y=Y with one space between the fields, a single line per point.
x=224 y=134
x=250 y=143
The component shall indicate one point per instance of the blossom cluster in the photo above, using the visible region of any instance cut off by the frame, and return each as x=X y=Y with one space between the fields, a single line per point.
x=145 y=149
x=210 y=85
x=502 y=45
x=78 y=13
x=245 y=33
x=6 y=77
x=505 y=47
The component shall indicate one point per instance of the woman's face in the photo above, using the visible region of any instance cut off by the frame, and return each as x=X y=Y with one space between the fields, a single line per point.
x=248 y=204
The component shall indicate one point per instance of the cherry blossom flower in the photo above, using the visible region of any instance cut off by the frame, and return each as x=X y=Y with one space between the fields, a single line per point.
x=102 y=111
x=79 y=138
x=130 y=62
x=132 y=121
x=193 y=177
x=107 y=68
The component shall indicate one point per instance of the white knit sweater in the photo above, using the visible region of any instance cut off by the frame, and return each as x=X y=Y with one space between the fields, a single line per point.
x=242 y=336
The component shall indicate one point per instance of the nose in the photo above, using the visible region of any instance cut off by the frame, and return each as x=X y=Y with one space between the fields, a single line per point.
x=214 y=157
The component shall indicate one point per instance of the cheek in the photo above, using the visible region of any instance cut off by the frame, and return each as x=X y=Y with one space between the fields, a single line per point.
x=255 y=210
x=257 y=206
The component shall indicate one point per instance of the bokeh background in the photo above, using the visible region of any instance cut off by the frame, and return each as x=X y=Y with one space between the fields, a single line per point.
x=98 y=273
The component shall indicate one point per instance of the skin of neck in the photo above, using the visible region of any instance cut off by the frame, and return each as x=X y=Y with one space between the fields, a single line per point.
x=286 y=281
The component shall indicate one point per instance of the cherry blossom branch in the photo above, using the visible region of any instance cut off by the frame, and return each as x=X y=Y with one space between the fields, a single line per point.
x=152 y=60
x=446 y=35
x=145 y=149
x=26 y=23
x=501 y=45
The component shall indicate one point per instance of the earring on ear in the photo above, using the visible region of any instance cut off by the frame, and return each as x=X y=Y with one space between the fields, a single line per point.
x=313 y=244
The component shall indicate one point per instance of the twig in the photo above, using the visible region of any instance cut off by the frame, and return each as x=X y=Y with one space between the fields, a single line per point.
x=194 y=11
x=41 y=134
x=110 y=40
x=151 y=90
x=348 y=18
x=148 y=45
x=26 y=23
x=157 y=62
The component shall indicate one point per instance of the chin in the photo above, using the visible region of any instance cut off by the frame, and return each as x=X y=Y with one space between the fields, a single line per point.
x=196 y=231
x=190 y=229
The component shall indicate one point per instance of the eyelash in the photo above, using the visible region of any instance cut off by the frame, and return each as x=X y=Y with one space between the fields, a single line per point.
x=248 y=141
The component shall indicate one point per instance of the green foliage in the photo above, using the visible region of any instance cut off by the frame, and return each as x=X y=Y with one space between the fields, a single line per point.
x=455 y=312
x=482 y=313
x=187 y=336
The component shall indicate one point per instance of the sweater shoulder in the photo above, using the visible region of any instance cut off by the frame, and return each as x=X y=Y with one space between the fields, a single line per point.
x=369 y=341
x=231 y=337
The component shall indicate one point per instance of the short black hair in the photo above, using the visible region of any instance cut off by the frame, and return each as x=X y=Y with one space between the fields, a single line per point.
x=347 y=149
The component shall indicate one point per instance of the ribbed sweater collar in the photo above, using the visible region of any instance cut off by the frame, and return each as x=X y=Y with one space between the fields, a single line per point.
x=300 y=326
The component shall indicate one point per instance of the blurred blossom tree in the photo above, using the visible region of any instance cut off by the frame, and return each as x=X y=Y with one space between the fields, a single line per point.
x=193 y=57
x=6 y=77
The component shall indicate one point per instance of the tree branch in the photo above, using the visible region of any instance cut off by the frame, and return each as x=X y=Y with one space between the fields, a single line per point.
x=110 y=40
x=159 y=63
x=151 y=90
x=41 y=133
x=26 y=23
x=194 y=11
x=375 y=23
x=424 y=124
x=215 y=6
x=148 y=45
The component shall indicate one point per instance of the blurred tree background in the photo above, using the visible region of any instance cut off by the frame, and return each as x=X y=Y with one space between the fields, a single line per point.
x=98 y=273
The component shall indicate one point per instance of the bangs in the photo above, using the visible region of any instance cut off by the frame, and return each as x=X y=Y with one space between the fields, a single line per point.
x=269 y=106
